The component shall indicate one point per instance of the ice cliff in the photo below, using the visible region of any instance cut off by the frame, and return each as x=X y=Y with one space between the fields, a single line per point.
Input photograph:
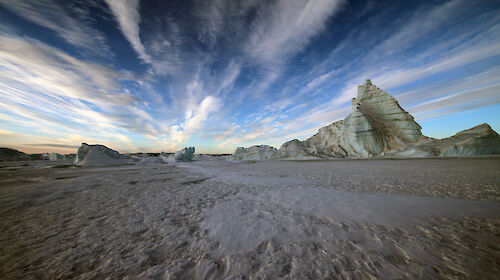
x=377 y=126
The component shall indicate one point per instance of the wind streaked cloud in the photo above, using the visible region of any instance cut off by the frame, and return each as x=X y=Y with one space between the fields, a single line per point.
x=287 y=26
x=50 y=14
x=126 y=13
x=49 y=87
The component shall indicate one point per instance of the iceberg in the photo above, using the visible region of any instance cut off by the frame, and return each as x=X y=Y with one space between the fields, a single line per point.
x=257 y=152
x=377 y=125
x=53 y=156
x=7 y=154
x=185 y=154
x=479 y=140
x=295 y=149
x=98 y=155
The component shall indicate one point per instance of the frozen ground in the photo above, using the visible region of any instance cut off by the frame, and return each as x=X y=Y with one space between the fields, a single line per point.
x=352 y=219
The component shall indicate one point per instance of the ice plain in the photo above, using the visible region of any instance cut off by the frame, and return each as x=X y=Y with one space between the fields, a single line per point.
x=337 y=219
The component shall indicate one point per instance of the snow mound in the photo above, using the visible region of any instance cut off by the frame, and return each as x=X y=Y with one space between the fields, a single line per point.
x=257 y=152
x=98 y=155
x=7 y=154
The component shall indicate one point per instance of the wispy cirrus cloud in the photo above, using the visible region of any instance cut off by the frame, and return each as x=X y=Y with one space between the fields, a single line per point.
x=59 y=19
x=127 y=15
x=286 y=27
x=47 y=86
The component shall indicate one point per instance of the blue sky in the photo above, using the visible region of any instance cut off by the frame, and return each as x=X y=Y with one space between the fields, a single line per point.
x=160 y=75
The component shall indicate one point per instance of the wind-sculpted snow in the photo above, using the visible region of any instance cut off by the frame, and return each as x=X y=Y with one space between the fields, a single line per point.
x=98 y=155
x=343 y=219
x=379 y=127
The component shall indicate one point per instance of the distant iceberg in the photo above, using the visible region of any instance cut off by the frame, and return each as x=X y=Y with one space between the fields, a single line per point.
x=185 y=154
x=257 y=152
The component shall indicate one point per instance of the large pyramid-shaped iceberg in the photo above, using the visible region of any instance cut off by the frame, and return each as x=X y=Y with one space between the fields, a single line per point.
x=376 y=126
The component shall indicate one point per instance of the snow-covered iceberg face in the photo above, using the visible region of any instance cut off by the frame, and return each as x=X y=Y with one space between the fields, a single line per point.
x=257 y=152
x=98 y=155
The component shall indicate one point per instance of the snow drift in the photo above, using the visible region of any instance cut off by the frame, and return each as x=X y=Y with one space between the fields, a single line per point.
x=98 y=155
x=378 y=126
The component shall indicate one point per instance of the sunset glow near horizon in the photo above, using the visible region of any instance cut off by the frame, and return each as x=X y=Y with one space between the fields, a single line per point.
x=161 y=75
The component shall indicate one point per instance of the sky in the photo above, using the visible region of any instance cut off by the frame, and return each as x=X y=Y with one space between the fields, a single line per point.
x=150 y=76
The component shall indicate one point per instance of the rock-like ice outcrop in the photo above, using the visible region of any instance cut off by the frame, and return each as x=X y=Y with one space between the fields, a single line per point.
x=257 y=152
x=378 y=126
x=98 y=155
